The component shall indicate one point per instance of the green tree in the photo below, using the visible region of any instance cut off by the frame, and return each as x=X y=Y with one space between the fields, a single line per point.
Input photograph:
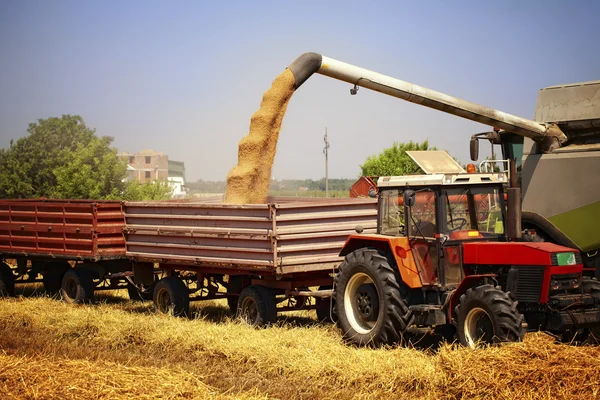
x=92 y=171
x=137 y=191
x=61 y=157
x=394 y=161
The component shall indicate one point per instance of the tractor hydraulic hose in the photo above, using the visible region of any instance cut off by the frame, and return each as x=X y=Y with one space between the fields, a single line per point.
x=549 y=136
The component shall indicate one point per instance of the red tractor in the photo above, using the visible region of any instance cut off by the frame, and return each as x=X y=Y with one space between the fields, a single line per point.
x=443 y=260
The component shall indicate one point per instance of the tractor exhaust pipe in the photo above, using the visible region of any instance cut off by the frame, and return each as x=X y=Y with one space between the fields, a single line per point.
x=549 y=136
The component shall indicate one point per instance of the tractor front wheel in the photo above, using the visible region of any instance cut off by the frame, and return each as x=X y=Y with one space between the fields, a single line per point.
x=487 y=315
x=369 y=307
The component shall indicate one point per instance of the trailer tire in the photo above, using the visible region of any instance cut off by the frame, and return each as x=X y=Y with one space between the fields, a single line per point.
x=369 y=307
x=326 y=307
x=53 y=275
x=487 y=315
x=7 y=280
x=171 y=296
x=256 y=306
x=235 y=285
x=77 y=286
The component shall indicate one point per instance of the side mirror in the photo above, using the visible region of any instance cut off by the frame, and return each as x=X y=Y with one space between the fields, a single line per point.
x=474 y=148
x=409 y=197
x=372 y=193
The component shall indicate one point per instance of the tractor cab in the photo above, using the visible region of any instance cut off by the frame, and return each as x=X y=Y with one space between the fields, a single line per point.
x=438 y=211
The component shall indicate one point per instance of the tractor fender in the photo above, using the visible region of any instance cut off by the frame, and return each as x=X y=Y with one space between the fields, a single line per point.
x=467 y=283
x=398 y=248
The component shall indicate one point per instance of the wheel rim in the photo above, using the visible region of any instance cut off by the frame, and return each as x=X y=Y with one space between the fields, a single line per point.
x=71 y=288
x=478 y=327
x=249 y=310
x=163 y=300
x=361 y=303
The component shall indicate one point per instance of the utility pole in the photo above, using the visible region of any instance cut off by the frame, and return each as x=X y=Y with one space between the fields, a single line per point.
x=326 y=152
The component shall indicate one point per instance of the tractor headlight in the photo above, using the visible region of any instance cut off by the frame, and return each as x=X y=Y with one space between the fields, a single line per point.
x=501 y=177
x=554 y=285
x=576 y=283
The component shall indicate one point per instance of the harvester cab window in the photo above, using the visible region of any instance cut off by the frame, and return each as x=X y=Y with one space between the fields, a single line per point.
x=423 y=221
x=474 y=208
x=391 y=212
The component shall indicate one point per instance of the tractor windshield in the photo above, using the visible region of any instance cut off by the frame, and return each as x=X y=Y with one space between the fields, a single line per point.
x=474 y=208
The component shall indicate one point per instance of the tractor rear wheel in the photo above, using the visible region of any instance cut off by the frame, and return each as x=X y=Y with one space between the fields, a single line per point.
x=171 y=296
x=369 y=307
x=256 y=306
x=592 y=286
x=7 y=280
x=487 y=315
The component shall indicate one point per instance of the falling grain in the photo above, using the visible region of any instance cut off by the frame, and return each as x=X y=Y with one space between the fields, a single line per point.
x=248 y=182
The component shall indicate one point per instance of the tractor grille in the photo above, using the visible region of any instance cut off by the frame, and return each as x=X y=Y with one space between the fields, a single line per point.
x=529 y=284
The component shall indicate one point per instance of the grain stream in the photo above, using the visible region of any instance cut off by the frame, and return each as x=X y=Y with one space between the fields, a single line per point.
x=248 y=182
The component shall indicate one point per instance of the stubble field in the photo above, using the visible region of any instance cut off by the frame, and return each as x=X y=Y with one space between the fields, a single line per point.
x=119 y=349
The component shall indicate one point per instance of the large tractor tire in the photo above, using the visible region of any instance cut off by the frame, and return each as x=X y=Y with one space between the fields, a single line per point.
x=77 y=286
x=171 y=296
x=53 y=275
x=256 y=306
x=487 y=315
x=369 y=307
x=7 y=280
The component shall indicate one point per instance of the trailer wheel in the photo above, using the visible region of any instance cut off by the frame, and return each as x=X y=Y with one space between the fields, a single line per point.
x=326 y=307
x=77 y=286
x=256 y=306
x=487 y=315
x=7 y=280
x=235 y=285
x=53 y=275
x=369 y=307
x=171 y=296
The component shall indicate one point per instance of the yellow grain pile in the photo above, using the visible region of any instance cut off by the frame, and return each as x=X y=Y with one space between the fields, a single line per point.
x=248 y=182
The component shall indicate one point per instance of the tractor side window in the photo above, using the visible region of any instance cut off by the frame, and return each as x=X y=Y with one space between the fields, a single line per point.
x=423 y=214
x=391 y=212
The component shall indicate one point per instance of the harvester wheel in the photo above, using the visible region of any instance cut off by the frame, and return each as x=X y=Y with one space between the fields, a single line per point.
x=171 y=296
x=592 y=286
x=7 y=280
x=53 y=275
x=487 y=315
x=256 y=306
x=369 y=307
x=77 y=286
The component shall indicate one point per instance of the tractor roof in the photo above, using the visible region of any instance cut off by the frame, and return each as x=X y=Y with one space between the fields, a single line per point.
x=442 y=179
x=440 y=169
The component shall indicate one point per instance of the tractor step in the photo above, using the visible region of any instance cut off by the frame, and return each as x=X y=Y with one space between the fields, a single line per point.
x=428 y=315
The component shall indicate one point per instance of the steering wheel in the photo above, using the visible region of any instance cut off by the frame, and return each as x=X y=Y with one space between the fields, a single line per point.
x=463 y=222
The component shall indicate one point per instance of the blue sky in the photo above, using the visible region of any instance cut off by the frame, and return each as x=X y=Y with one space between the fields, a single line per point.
x=184 y=77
